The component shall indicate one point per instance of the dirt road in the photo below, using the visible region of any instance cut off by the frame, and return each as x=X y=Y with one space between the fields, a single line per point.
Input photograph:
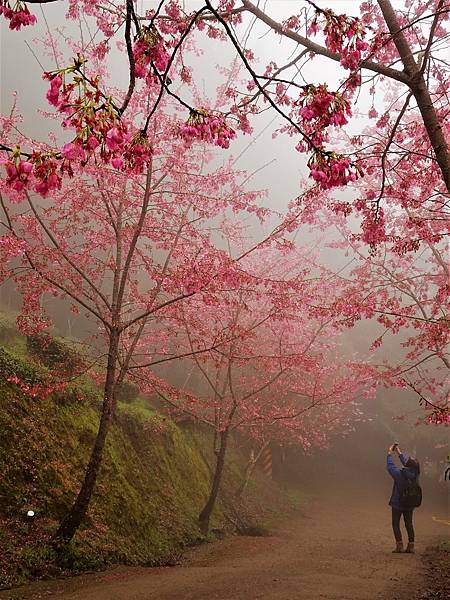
x=334 y=550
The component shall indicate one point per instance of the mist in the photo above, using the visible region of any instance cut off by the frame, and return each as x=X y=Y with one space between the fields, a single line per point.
x=187 y=379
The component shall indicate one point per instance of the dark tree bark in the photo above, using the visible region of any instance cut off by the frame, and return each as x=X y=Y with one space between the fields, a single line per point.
x=418 y=86
x=205 y=514
x=69 y=525
x=412 y=75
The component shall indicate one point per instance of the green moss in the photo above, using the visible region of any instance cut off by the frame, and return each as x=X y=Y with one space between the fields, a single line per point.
x=154 y=480
x=151 y=488
x=444 y=546
x=9 y=335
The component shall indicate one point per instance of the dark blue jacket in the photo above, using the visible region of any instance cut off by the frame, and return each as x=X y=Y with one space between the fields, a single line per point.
x=400 y=477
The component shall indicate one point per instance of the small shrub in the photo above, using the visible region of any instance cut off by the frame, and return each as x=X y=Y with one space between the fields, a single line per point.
x=75 y=558
x=12 y=365
x=444 y=546
x=127 y=392
x=54 y=354
x=36 y=560
x=256 y=530
x=8 y=333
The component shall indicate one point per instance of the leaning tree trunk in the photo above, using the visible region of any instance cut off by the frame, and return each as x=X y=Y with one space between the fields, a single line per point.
x=75 y=516
x=205 y=515
x=249 y=469
x=419 y=88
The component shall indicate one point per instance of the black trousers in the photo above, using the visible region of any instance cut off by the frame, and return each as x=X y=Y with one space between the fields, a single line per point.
x=408 y=518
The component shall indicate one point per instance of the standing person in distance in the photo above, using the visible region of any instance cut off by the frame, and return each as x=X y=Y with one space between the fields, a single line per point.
x=406 y=495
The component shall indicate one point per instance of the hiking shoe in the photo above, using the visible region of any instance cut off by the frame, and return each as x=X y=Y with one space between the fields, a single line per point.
x=410 y=548
x=398 y=548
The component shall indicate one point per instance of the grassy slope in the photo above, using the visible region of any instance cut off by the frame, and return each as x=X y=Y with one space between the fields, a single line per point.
x=152 y=486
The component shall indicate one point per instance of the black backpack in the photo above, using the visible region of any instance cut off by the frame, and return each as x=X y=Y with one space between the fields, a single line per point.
x=411 y=494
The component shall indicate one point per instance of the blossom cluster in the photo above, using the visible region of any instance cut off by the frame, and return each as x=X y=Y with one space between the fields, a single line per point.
x=45 y=172
x=438 y=417
x=202 y=125
x=38 y=390
x=87 y=110
x=325 y=107
x=98 y=123
x=135 y=152
x=150 y=51
x=330 y=169
x=344 y=35
x=39 y=172
x=19 y=16
x=318 y=108
x=17 y=172
x=373 y=224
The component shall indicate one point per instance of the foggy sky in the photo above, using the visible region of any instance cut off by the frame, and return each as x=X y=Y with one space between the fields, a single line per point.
x=20 y=71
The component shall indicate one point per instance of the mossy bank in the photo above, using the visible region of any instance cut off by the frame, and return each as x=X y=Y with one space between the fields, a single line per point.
x=153 y=484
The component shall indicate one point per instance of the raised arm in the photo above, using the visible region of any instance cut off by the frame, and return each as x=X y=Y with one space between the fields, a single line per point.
x=393 y=470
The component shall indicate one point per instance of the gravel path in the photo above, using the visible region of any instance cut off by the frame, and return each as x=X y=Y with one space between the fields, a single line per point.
x=335 y=550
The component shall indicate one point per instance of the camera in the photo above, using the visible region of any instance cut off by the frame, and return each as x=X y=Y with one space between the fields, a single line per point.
x=395 y=445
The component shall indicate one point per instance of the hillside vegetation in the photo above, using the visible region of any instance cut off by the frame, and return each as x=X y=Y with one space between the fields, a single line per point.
x=153 y=484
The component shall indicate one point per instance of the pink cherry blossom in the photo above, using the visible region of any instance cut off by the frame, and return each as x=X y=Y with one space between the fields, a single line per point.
x=148 y=50
x=115 y=139
x=73 y=151
x=19 y=16
x=54 y=91
x=18 y=173
x=332 y=170
x=208 y=127
x=45 y=172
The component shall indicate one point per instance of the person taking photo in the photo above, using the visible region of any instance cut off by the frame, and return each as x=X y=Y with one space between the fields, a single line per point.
x=405 y=497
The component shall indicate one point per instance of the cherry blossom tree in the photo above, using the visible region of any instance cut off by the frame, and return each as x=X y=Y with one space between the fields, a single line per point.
x=260 y=362
x=139 y=174
x=121 y=248
x=397 y=56
x=368 y=48
x=407 y=294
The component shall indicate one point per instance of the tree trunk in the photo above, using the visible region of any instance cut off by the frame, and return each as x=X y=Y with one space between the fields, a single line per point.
x=75 y=516
x=249 y=469
x=205 y=515
x=433 y=127
x=248 y=473
x=420 y=91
